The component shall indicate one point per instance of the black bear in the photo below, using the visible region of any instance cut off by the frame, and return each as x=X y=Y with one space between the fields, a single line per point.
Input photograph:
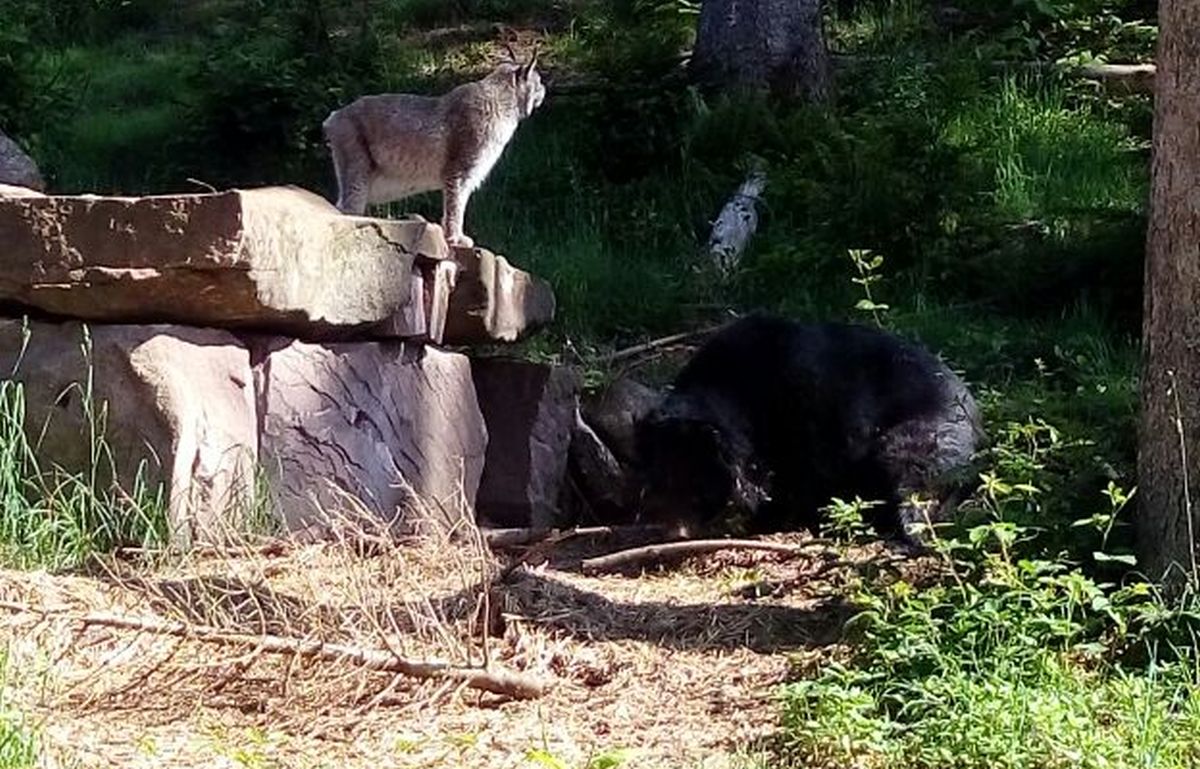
x=772 y=418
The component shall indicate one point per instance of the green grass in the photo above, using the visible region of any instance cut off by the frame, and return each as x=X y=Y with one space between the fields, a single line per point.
x=879 y=26
x=1046 y=158
x=129 y=106
x=1054 y=713
x=18 y=748
x=57 y=518
x=1015 y=657
x=1018 y=663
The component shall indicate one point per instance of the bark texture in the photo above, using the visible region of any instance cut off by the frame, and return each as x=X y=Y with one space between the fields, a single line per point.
x=1169 y=443
x=775 y=45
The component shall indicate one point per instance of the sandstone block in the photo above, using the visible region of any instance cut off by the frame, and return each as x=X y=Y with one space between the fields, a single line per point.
x=530 y=413
x=614 y=411
x=279 y=259
x=494 y=301
x=598 y=479
x=176 y=402
x=391 y=428
x=17 y=168
x=423 y=318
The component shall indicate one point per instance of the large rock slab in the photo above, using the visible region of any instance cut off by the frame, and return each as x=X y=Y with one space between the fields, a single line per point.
x=530 y=413
x=598 y=480
x=17 y=168
x=614 y=411
x=390 y=429
x=424 y=317
x=279 y=259
x=175 y=403
x=493 y=301
x=11 y=191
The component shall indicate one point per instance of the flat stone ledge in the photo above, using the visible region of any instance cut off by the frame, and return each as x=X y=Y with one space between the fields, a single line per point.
x=277 y=259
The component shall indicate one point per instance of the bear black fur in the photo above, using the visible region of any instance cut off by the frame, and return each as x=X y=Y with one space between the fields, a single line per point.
x=772 y=418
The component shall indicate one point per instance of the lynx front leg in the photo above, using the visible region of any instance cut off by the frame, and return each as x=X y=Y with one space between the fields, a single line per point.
x=455 y=195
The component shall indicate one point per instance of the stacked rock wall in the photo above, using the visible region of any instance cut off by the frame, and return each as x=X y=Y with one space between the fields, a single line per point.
x=257 y=333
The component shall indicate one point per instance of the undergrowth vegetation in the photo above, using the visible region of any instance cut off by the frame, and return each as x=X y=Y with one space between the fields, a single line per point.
x=1035 y=643
x=1016 y=654
x=55 y=518
x=995 y=213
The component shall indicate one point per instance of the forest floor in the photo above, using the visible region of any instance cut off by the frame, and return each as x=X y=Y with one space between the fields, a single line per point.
x=676 y=666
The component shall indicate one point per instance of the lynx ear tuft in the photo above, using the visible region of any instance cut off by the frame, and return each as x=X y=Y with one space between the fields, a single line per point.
x=527 y=69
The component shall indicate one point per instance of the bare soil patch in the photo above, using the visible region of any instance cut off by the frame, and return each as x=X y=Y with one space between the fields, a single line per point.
x=675 y=666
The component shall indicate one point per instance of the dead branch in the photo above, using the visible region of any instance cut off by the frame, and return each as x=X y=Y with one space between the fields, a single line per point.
x=658 y=553
x=271 y=549
x=640 y=349
x=497 y=682
x=502 y=539
x=1118 y=78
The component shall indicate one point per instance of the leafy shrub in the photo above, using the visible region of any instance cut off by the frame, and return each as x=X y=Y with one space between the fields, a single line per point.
x=33 y=91
x=264 y=91
x=1012 y=658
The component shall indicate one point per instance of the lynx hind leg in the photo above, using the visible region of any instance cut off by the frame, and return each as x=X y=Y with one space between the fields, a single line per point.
x=351 y=165
x=455 y=194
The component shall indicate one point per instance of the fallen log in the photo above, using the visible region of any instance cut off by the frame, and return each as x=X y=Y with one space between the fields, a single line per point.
x=736 y=224
x=1128 y=78
x=1117 y=78
x=639 y=556
x=497 y=682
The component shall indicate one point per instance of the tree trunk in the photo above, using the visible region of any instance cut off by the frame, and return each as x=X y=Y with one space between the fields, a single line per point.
x=774 y=45
x=1169 y=449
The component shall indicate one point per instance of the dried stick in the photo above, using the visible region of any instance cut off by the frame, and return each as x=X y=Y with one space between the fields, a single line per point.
x=501 y=539
x=659 y=553
x=270 y=549
x=497 y=682
x=666 y=341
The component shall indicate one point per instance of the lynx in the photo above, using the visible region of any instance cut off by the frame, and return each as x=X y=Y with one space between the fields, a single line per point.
x=389 y=146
